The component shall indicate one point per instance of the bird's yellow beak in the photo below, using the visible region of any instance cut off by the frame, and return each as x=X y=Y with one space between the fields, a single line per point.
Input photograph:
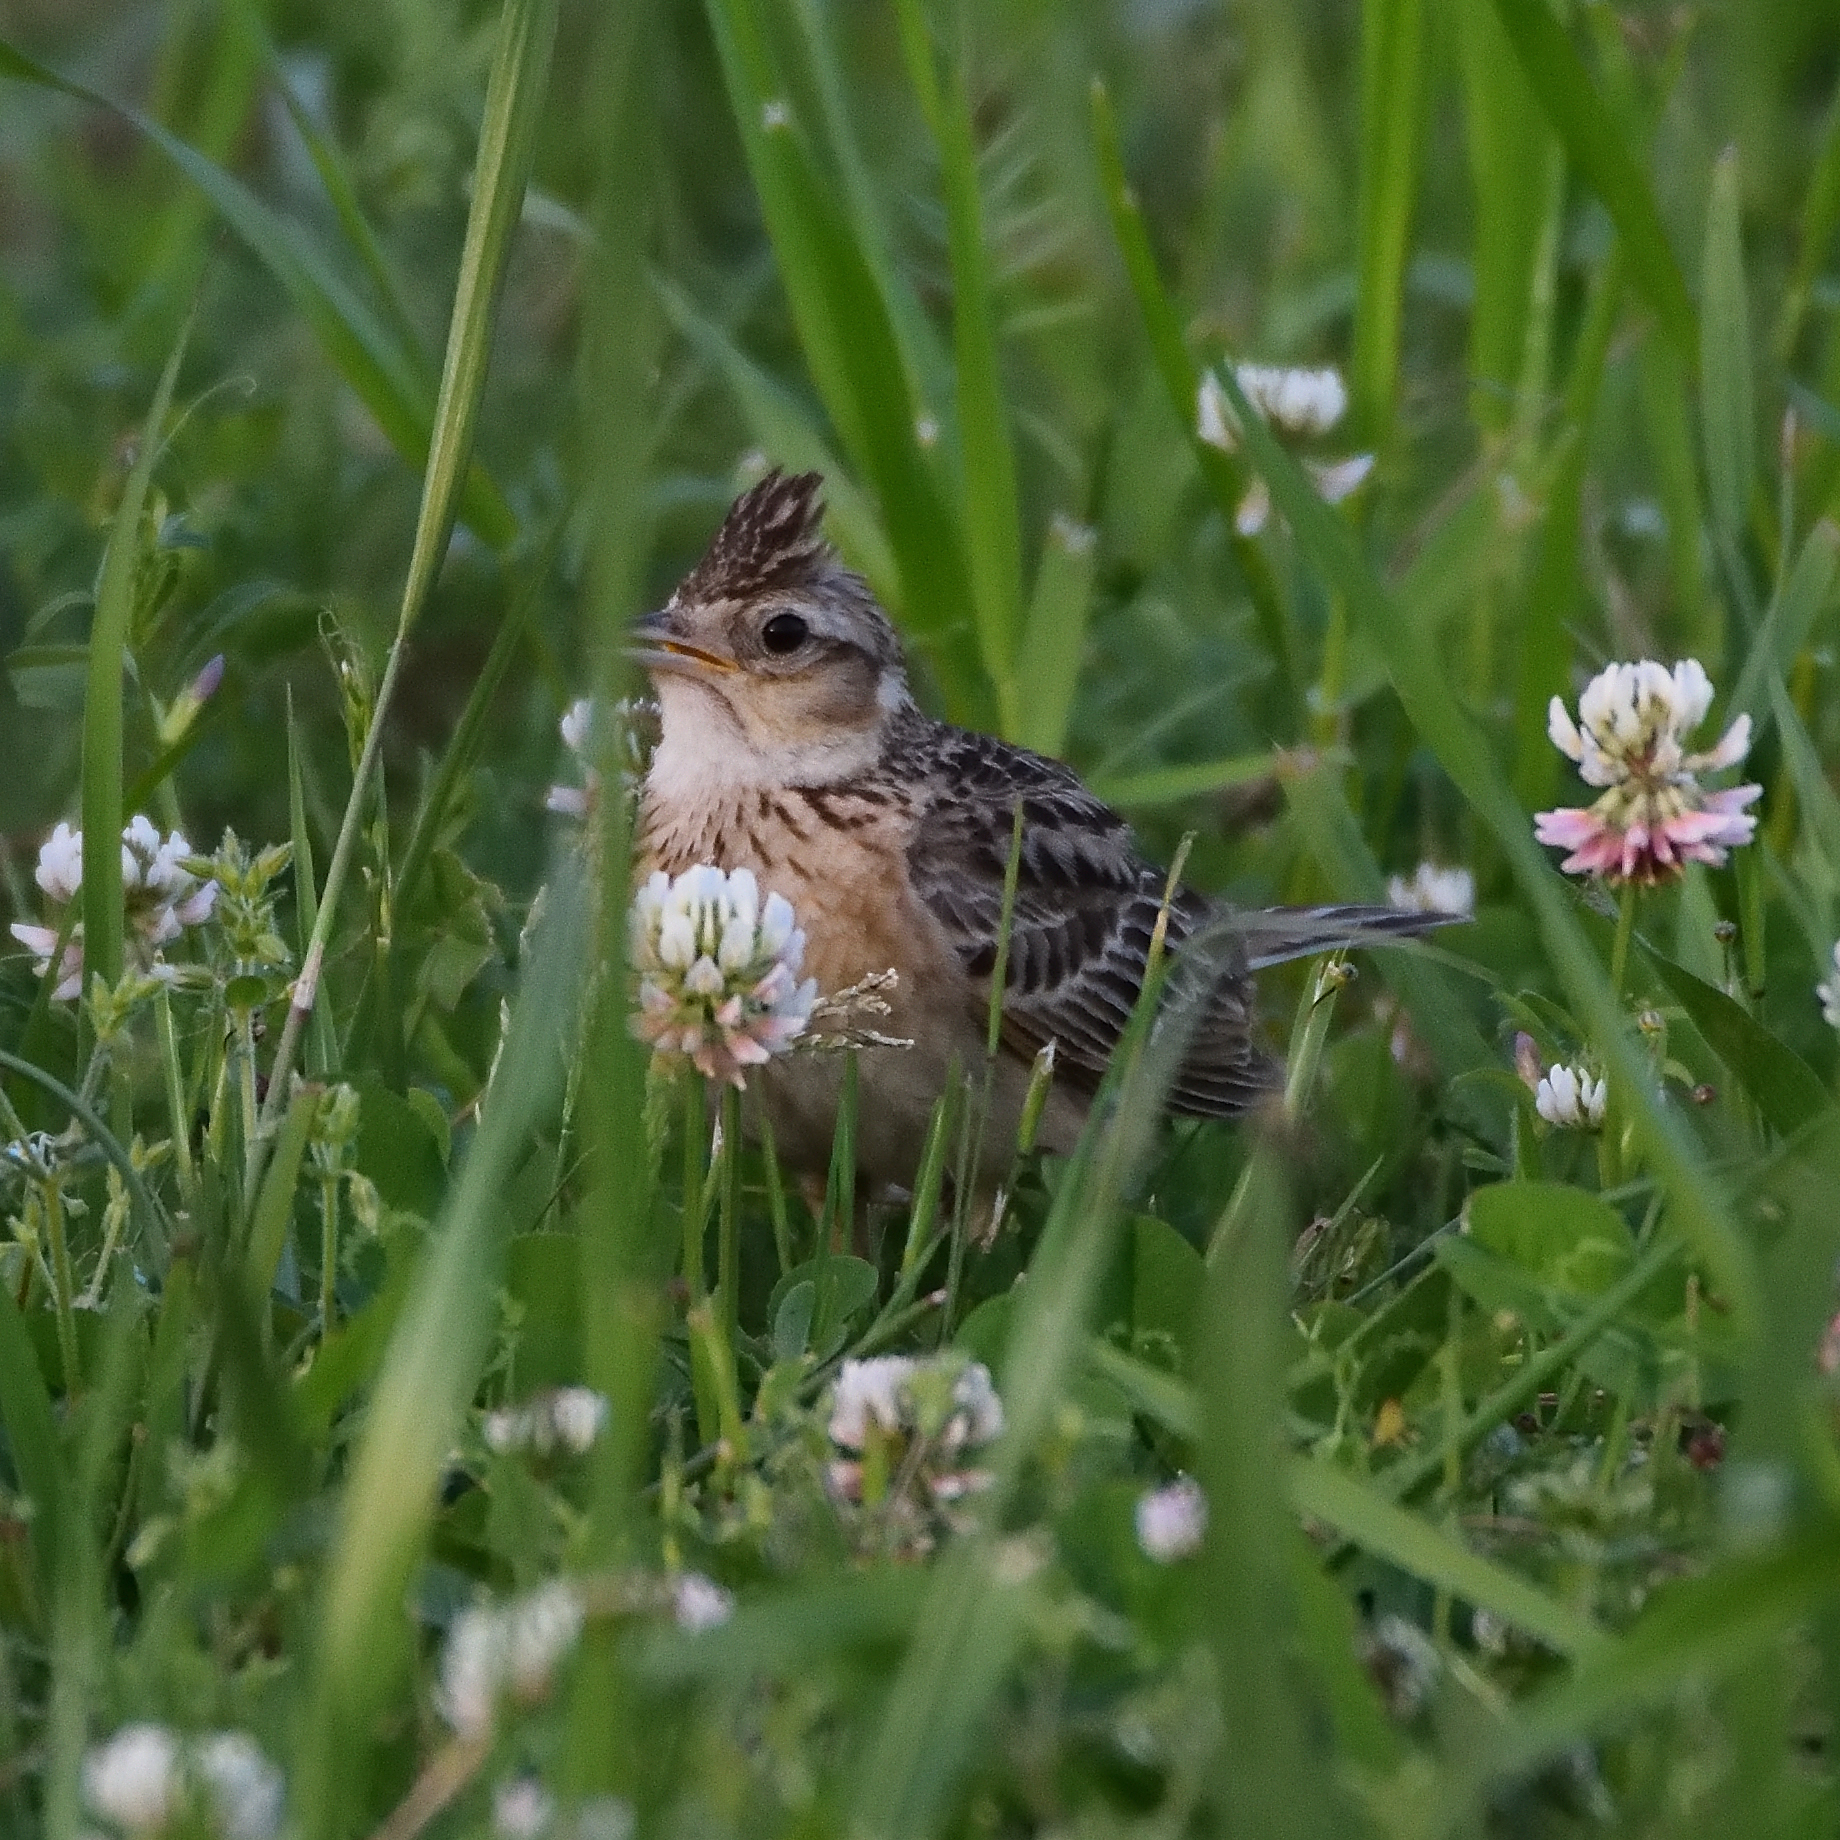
x=655 y=647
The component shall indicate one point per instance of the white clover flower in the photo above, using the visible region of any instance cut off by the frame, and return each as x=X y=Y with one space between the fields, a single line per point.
x=540 y=1629
x=472 y=1672
x=699 y=1603
x=605 y=1817
x=1829 y=995
x=1434 y=890
x=161 y=898
x=1172 y=1521
x=718 y=971
x=1569 y=1099
x=134 y=1779
x=1654 y=817
x=633 y=720
x=1298 y=405
x=510 y=1650
x=60 y=864
x=577 y=1415
x=1296 y=402
x=522 y=1809
x=889 y=1394
x=246 y=1788
x=566 y=1418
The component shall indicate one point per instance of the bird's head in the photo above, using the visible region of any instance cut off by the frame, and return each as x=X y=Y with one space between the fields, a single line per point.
x=772 y=661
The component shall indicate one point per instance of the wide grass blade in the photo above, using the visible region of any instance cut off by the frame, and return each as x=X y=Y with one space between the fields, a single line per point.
x=1595 y=146
x=1268 y=1776
x=992 y=515
x=1728 y=407
x=1054 y=636
x=104 y=923
x=850 y=343
x=1392 y=105
x=428 y=1376
x=1511 y=151
x=782 y=425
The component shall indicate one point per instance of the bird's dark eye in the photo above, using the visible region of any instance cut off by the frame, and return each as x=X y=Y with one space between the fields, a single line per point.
x=784 y=633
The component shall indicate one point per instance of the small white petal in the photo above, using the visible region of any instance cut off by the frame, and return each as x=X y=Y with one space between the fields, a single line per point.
x=1172 y=1521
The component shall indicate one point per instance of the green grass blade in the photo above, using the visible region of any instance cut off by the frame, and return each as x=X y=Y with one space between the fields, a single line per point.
x=104 y=925
x=1544 y=665
x=31 y=1437
x=1193 y=780
x=1820 y=218
x=1264 y=1780
x=1054 y=635
x=1728 y=410
x=992 y=515
x=384 y=377
x=274 y=1208
x=1698 y=1205
x=428 y=1376
x=1595 y=146
x=1693 y=1631
x=341 y=194
x=1392 y=106
x=1803 y=597
x=1510 y=152
x=780 y=424
x=322 y=1050
x=1360 y=1513
x=856 y=361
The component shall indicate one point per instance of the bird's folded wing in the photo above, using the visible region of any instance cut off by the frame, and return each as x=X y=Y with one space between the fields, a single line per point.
x=1086 y=908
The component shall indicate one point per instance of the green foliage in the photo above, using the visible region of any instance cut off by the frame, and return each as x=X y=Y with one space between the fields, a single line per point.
x=400 y=1369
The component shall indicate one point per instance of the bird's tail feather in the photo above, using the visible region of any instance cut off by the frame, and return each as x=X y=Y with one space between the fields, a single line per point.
x=1273 y=935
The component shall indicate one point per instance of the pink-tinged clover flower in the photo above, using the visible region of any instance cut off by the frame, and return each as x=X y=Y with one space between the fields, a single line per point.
x=1654 y=817
x=718 y=971
x=162 y=897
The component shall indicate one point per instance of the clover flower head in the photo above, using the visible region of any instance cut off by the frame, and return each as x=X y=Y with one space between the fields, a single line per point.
x=899 y=1394
x=1294 y=401
x=912 y=1418
x=134 y=1780
x=245 y=1787
x=161 y=896
x=522 y=1809
x=718 y=971
x=1569 y=1099
x=510 y=1650
x=632 y=733
x=1299 y=405
x=699 y=1603
x=1434 y=890
x=138 y=1781
x=566 y=1418
x=1654 y=816
x=1171 y=1521
x=1829 y=995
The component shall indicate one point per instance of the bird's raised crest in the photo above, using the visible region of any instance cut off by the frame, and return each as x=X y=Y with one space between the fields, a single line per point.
x=770 y=539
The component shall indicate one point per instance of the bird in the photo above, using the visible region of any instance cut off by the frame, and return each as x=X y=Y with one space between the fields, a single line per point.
x=790 y=744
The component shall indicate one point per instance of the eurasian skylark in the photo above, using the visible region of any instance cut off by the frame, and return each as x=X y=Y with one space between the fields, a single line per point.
x=791 y=746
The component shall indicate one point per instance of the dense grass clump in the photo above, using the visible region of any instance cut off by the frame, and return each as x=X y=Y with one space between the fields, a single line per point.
x=1353 y=436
